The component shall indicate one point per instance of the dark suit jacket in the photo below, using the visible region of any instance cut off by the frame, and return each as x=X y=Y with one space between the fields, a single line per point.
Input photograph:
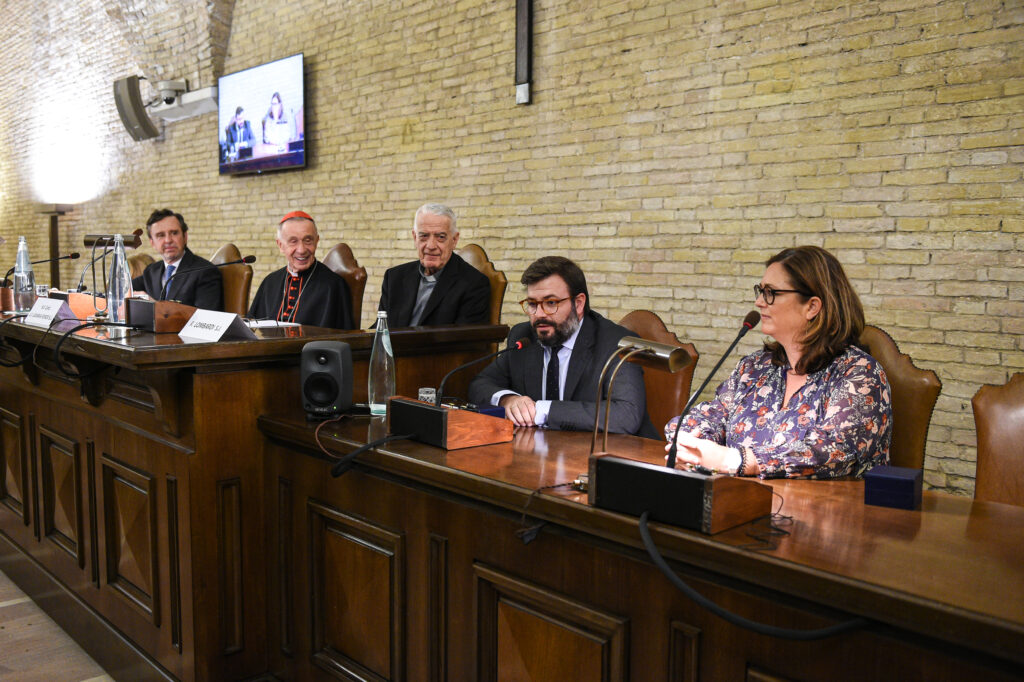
x=231 y=133
x=202 y=288
x=522 y=372
x=462 y=295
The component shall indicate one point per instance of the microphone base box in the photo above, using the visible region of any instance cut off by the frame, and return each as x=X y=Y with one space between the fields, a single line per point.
x=444 y=427
x=897 y=487
x=687 y=499
x=158 y=316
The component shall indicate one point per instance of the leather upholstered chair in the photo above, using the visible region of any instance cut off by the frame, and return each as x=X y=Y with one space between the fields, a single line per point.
x=475 y=256
x=138 y=263
x=913 y=392
x=999 y=423
x=237 y=279
x=667 y=393
x=341 y=260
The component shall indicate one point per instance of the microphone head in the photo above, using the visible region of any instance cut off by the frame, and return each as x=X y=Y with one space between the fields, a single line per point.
x=74 y=255
x=751 y=320
x=249 y=259
x=520 y=344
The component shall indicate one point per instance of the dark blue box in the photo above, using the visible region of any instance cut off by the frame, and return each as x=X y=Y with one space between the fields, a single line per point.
x=899 y=487
x=493 y=411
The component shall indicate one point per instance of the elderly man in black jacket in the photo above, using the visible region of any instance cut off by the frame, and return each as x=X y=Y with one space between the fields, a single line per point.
x=440 y=288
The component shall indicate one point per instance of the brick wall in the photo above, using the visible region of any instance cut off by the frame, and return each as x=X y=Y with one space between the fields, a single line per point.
x=671 y=148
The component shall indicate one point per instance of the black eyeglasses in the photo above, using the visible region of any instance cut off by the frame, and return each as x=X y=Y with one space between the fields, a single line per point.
x=548 y=305
x=769 y=293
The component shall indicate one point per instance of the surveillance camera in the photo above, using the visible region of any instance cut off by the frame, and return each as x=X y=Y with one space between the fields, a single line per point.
x=169 y=90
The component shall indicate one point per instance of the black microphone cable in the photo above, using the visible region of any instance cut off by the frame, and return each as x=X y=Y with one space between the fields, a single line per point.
x=345 y=463
x=3 y=342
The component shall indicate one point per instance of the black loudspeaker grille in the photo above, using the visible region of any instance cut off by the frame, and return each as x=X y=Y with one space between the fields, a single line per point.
x=630 y=487
x=326 y=370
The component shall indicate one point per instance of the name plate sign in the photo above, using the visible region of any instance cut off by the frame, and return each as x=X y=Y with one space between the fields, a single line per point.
x=212 y=325
x=46 y=311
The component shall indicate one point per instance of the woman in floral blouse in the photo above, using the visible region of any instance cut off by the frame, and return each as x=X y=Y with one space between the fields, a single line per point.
x=811 y=403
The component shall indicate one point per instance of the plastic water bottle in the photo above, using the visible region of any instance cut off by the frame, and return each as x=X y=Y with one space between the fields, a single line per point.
x=382 y=367
x=119 y=286
x=24 y=279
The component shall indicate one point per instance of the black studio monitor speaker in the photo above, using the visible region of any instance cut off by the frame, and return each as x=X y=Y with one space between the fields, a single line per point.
x=326 y=378
x=132 y=109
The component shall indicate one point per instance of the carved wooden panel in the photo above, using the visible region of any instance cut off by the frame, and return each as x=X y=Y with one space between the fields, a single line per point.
x=129 y=517
x=286 y=564
x=94 y=524
x=683 y=652
x=229 y=553
x=174 y=562
x=358 y=596
x=14 y=465
x=526 y=631
x=438 y=608
x=61 y=504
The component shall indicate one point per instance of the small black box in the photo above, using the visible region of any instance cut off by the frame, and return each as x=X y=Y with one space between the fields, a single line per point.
x=887 y=486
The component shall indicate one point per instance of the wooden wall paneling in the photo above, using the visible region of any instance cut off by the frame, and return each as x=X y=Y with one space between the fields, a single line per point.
x=129 y=519
x=358 y=596
x=61 y=492
x=14 y=468
x=528 y=631
x=684 y=652
x=437 y=608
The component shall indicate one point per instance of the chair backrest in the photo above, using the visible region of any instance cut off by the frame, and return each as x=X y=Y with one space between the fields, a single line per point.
x=138 y=263
x=475 y=256
x=914 y=392
x=236 y=279
x=666 y=393
x=342 y=262
x=999 y=423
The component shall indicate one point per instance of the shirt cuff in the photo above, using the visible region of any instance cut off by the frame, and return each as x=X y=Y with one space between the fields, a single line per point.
x=540 y=413
x=498 y=395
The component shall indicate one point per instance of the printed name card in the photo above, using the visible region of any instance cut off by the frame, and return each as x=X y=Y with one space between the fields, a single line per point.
x=46 y=311
x=211 y=325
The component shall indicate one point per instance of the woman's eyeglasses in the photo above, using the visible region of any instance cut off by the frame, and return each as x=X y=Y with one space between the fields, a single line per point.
x=768 y=293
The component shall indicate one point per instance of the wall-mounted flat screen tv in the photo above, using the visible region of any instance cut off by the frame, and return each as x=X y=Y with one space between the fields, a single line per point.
x=261 y=118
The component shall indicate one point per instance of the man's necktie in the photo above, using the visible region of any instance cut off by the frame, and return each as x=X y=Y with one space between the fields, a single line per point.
x=551 y=382
x=168 y=273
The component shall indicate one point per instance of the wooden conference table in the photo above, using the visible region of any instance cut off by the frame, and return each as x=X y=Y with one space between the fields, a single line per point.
x=177 y=535
x=131 y=498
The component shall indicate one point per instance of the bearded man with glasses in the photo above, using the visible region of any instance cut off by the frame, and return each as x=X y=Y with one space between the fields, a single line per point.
x=553 y=382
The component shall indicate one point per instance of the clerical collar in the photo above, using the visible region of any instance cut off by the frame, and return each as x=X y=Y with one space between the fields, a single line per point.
x=304 y=274
x=431 y=278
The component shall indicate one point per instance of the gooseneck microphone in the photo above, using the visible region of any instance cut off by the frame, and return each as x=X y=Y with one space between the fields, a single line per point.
x=70 y=256
x=749 y=322
x=515 y=345
x=106 y=240
x=247 y=260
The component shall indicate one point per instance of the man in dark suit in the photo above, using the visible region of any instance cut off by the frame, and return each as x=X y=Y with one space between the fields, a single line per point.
x=239 y=132
x=193 y=280
x=553 y=383
x=439 y=288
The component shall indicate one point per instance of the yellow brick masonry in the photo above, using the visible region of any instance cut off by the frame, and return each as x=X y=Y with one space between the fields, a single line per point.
x=671 y=147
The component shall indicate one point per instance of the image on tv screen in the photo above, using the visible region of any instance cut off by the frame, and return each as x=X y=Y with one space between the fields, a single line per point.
x=261 y=118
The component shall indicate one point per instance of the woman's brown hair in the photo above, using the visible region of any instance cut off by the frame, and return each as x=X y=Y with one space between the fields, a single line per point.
x=840 y=321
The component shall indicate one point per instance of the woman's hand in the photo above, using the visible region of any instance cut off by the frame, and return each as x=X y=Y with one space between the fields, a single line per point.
x=693 y=450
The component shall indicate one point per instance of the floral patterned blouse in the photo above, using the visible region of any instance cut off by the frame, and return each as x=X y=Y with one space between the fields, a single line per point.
x=837 y=424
